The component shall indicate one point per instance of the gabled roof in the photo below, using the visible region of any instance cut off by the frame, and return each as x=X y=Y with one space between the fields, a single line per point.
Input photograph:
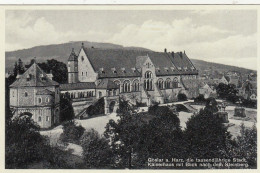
x=37 y=77
x=103 y=60
x=192 y=83
x=73 y=56
x=107 y=84
x=44 y=92
x=77 y=86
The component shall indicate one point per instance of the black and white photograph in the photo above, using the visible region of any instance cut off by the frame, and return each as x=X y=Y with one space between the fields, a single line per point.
x=165 y=88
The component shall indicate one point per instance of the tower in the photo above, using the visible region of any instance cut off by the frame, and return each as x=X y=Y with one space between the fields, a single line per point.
x=73 y=67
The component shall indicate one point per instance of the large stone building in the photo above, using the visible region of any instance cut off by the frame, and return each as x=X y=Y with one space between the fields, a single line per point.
x=138 y=76
x=35 y=94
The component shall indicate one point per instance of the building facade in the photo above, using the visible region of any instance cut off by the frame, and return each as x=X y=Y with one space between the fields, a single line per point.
x=35 y=94
x=138 y=76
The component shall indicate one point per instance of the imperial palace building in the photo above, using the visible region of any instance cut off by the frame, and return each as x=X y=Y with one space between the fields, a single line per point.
x=138 y=76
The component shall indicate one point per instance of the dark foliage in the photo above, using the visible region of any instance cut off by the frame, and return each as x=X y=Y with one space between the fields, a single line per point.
x=200 y=99
x=58 y=69
x=97 y=109
x=249 y=103
x=96 y=150
x=67 y=112
x=247 y=145
x=24 y=144
x=71 y=132
x=227 y=91
x=134 y=140
x=182 y=97
x=182 y=108
x=160 y=138
x=214 y=142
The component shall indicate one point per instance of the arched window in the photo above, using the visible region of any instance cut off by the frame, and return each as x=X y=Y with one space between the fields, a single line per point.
x=136 y=85
x=175 y=82
x=39 y=119
x=168 y=83
x=25 y=94
x=40 y=100
x=47 y=99
x=148 y=75
x=126 y=86
x=160 y=83
x=148 y=82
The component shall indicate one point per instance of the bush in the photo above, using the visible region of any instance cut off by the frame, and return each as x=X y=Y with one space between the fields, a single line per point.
x=200 y=98
x=71 y=132
x=182 y=108
x=182 y=97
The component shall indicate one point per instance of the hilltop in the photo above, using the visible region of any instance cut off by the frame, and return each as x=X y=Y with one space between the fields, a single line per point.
x=61 y=53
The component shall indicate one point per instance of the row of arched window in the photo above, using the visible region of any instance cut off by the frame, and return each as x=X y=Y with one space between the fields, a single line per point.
x=83 y=94
x=127 y=87
x=167 y=84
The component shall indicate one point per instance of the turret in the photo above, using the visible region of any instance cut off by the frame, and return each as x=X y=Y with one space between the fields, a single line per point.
x=73 y=67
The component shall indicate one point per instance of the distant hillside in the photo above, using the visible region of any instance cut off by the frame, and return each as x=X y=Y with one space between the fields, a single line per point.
x=61 y=53
x=216 y=70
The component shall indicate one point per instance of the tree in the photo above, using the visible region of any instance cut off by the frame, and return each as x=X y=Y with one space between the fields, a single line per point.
x=96 y=150
x=123 y=134
x=71 y=132
x=205 y=134
x=200 y=98
x=58 y=69
x=182 y=97
x=162 y=137
x=134 y=140
x=67 y=112
x=227 y=92
x=247 y=145
x=24 y=144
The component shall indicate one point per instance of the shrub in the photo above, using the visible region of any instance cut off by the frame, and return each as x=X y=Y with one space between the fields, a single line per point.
x=182 y=97
x=71 y=132
x=182 y=108
x=200 y=98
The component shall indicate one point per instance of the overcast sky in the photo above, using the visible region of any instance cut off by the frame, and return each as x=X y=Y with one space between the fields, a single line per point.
x=223 y=36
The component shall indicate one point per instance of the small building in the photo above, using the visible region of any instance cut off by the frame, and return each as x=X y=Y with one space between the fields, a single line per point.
x=208 y=91
x=34 y=93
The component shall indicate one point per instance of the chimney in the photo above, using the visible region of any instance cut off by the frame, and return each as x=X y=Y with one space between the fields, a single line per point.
x=172 y=54
x=82 y=44
x=184 y=52
x=165 y=50
x=181 y=54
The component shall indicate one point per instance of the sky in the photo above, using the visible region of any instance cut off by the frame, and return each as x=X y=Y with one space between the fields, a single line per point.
x=221 y=36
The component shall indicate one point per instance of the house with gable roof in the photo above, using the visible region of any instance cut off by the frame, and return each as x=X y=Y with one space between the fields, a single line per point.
x=35 y=94
x=143 y=76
